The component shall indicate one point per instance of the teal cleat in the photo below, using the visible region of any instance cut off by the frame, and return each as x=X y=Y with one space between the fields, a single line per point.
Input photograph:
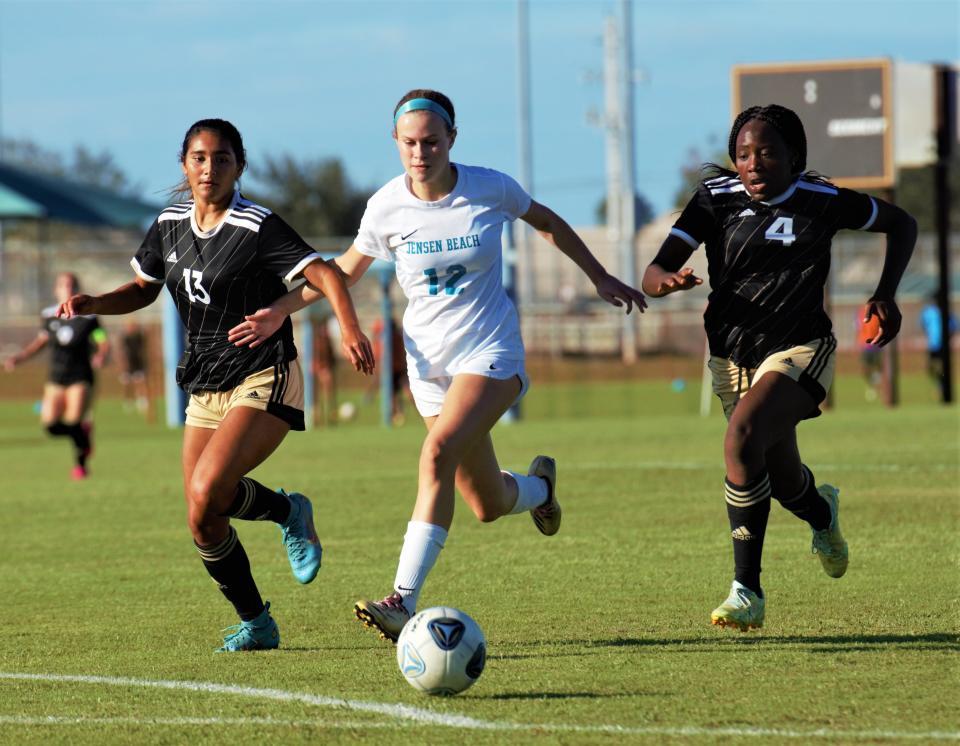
x=257 y=634
x=300 y=538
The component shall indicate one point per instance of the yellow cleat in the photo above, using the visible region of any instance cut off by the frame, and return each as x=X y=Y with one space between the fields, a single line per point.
x=743 y=609
x=829 y=543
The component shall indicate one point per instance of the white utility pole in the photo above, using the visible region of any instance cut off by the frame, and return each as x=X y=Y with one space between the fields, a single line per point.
x=628 y=217
x=524 y=245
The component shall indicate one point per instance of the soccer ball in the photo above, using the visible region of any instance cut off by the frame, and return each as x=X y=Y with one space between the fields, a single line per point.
x=441 y=651
x=347 y=411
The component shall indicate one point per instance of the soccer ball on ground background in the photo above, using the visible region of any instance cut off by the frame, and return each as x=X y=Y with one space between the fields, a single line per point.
x=346 y=411
x=441 y=651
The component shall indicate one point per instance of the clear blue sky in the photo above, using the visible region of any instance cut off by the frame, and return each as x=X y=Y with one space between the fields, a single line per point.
x=320 y=79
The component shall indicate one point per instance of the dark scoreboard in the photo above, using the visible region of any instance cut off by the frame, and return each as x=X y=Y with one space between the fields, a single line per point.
x=846 y=108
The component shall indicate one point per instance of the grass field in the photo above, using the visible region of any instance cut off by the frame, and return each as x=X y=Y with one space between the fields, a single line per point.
x=598 y=635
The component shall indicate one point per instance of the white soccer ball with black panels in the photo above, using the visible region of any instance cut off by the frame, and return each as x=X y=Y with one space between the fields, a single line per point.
x=441 y=650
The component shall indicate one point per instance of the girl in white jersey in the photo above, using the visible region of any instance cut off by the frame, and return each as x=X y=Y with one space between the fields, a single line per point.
x=441 y=224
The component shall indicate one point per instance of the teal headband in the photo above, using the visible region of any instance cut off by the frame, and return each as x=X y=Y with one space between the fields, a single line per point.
x=419 y=104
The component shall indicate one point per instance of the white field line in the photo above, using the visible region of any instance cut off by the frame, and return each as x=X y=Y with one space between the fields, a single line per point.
x=411 y=716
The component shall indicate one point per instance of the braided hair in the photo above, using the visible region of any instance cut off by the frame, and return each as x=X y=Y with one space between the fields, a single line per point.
x=787 y=124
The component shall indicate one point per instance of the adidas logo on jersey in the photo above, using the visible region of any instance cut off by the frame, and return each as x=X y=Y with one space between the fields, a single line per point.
x=253 y=395
x=746 y=213
x=172 y=257
x=742 y=534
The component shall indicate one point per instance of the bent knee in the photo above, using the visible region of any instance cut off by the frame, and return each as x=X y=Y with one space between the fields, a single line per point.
x=437 y=457
x=207 y=498
x=487 y=513
x=741 y=437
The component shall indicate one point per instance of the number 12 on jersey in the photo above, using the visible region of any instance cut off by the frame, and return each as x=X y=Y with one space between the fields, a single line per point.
x=454 y=273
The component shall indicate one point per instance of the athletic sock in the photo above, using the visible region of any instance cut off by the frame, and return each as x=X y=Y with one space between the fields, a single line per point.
x=254 y=502
x=229 y=567
x=77 y=434
x=421 y=546
x=532 y=492
x=808 y=504
x=748 y=507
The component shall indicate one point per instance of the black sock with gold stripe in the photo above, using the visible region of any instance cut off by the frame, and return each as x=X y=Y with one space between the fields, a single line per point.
x=229 y=567
x=254 y=502
x=809 y=505
x=748 y=507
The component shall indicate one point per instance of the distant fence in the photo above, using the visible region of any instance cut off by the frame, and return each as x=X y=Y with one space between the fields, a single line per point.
x=562 y=320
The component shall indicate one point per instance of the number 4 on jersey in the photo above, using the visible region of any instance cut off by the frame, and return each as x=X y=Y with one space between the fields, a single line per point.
x=781 y=230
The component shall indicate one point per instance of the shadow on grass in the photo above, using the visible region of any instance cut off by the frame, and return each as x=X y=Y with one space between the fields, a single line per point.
x=934 y=641
x=558 y=695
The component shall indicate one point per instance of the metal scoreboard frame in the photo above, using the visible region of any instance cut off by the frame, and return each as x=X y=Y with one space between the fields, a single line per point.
x=846 y=108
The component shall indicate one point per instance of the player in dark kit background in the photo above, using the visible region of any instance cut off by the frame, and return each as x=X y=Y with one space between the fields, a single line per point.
x=77 y=347
x=221 y=257
x=767 y=229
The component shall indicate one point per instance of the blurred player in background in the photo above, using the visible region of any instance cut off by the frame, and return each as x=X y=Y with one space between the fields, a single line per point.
x=440 y=222
x=767 y=229
x=871 y=357
x=930 y=322
x=78 y=346
x=400 y=382
x=133 y=369
x=220 y=254
x=324 y=370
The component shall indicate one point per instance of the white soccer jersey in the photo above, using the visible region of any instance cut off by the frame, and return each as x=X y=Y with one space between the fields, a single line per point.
x=449 y=263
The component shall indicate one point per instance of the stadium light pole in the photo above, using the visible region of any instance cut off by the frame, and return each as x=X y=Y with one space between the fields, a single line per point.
x=518 y=239
x=611 y=124
x=628 y=217
x=522 y=235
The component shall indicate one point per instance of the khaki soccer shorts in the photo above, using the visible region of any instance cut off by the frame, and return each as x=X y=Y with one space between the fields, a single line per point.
x=277 y=390
x=811 y=365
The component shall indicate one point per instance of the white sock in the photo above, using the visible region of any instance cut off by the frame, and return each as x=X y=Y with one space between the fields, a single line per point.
x=421 y=545
x=532 y=492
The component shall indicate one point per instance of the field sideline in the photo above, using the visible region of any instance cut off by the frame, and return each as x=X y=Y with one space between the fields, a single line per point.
x=598 y=635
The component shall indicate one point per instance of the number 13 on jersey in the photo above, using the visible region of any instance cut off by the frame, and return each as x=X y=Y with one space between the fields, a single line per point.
x=453 y=274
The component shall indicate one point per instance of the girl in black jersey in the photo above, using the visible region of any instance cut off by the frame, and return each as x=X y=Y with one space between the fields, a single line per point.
x=78 y=346
x=767 y=229
x=222 y=256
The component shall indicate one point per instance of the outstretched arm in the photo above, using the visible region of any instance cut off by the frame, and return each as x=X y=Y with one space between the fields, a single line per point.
x=328 y=279
x=901 y=230
x=263 y=323
x=664 y=275
x=557 y=231
x=125 y=299
x=32 y=348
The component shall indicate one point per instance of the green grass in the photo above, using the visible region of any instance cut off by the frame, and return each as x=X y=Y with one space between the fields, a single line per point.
x=603 y=626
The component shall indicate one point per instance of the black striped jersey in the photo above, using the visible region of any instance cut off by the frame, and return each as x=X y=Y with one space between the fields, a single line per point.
x=70 y=342
x=218 y=276
x=768 y=261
